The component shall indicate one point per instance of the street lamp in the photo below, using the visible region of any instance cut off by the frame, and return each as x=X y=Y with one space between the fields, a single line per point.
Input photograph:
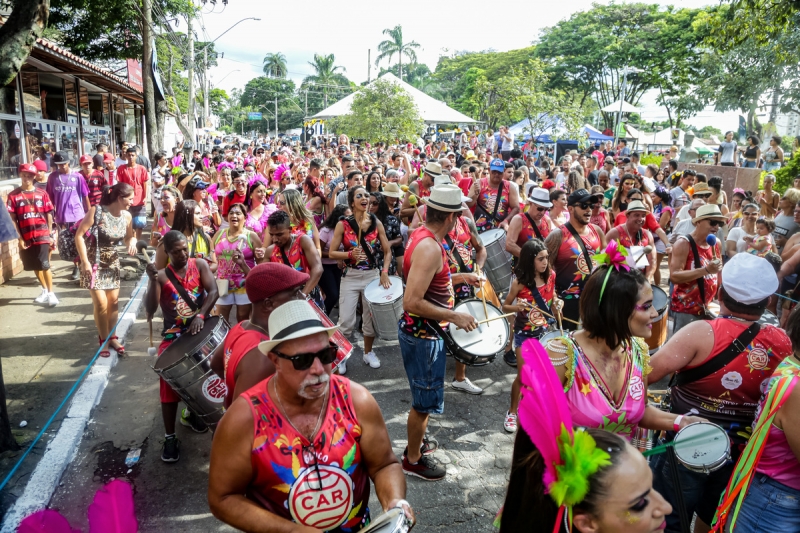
x=625 y=72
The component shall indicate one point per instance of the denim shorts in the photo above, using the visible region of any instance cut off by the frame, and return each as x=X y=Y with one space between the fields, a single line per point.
x=769 y=506
x=138 y=216
x=425 y=362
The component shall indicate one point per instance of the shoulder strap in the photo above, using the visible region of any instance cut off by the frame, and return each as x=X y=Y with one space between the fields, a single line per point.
x=454 y=254
x=497 y=201
x=730 y=353
x=283 y=254
x=363 y=243
x=581 y=244
x=535 y=227
x=701 y=280
x=181 y=289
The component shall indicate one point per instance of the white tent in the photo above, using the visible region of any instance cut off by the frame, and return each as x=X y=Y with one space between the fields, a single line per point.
x=662 y=138
x=430 y=109
x=626 y=108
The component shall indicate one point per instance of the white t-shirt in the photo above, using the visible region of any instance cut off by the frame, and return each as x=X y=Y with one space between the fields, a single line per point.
x=508 y=143
x=561 y=179
x=727 y=152
x=737 y=235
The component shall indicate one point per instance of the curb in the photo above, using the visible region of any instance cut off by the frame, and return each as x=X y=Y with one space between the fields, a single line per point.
x=62 y=448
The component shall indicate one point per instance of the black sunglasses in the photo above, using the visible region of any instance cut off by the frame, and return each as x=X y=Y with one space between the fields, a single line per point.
x=540 y=209
x=585 y=205
x=715 y=223
x=303 y=361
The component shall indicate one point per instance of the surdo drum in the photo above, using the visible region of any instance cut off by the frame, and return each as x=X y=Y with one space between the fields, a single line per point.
x=386 y=306
x=498 y=261
x=186 y=366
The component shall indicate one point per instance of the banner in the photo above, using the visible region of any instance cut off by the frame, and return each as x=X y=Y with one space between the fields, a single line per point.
x=135 y=74
x=742 y=129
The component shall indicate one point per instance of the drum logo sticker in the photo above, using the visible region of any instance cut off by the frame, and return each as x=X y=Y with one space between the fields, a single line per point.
x=758 y=358
x=732 y=380
x=636 y=388
x=214 y=389
x=321 y=497
x=536 y=318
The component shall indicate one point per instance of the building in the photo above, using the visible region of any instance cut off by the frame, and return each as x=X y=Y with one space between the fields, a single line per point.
x=788 y=124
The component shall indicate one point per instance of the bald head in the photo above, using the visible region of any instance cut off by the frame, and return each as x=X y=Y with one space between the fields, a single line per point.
x=446 y=163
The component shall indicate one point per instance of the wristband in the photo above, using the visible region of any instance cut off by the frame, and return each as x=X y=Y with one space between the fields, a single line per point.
x=201 y=316
x=676 y=425
x=384 y=271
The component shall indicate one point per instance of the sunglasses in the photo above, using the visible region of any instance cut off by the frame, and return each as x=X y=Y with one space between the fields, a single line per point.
x=540 y=209
x=715 y=223
x=239 y=182
x=303 y=361
x=750 y=214
x=585 y=205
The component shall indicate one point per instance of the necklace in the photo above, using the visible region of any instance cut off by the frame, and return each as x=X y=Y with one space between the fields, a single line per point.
x=259 y=327
x=283 y=410
x=735 y=318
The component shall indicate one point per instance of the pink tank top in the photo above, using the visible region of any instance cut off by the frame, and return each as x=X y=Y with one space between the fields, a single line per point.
x=778 y=461
x=260 y=224
x=586 y=392
x=226 y=266
x=283 y=463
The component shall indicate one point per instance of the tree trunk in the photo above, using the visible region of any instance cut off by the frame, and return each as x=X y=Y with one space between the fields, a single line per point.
x=151 y=128
x=17 y=36
x=776 y=98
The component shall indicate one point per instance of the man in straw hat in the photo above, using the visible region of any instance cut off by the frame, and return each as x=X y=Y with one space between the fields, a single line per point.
x=633 y=233
x=723 y=367
x=421 y=188
x=428 y=306
x=532 y=224
x=319 y=440
x=693 y=268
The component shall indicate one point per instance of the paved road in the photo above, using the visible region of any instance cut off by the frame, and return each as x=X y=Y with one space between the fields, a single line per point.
x=172 y=497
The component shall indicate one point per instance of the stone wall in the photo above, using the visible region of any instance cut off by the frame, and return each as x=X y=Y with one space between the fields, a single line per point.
x=10 y=263
x=732 y=177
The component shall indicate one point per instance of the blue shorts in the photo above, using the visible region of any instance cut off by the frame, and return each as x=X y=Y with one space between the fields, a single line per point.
x=139 y=216
x=425 y=361
x=769 y=506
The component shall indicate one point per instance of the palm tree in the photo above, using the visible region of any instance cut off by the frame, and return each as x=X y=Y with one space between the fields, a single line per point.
x=326 y=73
x=395 y=45
x=275 y=65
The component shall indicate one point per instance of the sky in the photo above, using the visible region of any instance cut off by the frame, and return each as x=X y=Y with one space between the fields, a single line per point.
x=349 y=30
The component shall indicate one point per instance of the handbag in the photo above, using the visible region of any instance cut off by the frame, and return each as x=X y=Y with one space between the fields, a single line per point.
x=66 y=239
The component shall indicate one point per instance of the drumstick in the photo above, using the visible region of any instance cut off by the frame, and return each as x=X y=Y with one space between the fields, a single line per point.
x=646 y=250
x=551 y=316
x=483 y=293
x=496 y=318
x=412 y=201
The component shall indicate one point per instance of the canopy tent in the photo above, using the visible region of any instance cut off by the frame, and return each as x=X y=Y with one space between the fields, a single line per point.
x=702 y=149
x=614 y=108
x=430 y=109
x=595 y=134
x=662 y=138
x=518 y=130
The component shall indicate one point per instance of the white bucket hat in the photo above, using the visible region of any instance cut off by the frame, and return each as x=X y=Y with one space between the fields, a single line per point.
x=293 y=320
x=540 y=197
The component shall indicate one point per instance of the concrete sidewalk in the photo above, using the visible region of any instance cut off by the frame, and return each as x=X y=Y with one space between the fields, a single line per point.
x=172 y=497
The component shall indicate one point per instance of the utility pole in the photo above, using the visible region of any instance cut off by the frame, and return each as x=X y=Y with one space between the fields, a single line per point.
x=190 y=34
x=276 y=117
x=369 y=64
x=151 y=127
x=306 y=111
x=205 y=86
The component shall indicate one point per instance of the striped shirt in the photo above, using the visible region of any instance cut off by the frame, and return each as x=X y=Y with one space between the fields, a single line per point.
x=95 y=183
x=31 y=208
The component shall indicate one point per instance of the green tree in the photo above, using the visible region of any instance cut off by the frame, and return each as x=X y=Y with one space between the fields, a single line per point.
x=259 y=94
x=396 y=46
x=275 y=65
x=382 y=111
x=326 y=75
x=523 y=95
x=217 y=101
x=707 y=131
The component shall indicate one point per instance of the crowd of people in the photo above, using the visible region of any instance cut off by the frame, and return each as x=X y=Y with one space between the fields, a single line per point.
x=271 y=228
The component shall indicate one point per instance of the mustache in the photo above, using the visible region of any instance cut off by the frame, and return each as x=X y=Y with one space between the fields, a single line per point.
x=315 y=380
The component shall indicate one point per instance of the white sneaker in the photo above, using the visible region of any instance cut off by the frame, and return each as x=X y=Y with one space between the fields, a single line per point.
x=42 y=298
x=342 y=368
x=510 y=423
x=372 y=360
x=52 y=301
x=466 y=386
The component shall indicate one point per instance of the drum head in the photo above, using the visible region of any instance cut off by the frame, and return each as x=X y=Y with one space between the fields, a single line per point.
x=376 y=294
x=392 y=521
x=702 y=444
x=489 y=338
x=660 y=299
x=493 y=235
x=186 y=344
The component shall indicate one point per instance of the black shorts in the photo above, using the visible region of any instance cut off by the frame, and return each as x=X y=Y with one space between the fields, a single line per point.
x=35 y=257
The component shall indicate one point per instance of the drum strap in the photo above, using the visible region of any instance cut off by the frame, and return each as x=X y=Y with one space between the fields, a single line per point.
x=540 y=303
x=535 y=227
x=181 y=289
x=739 y=345
x=701 y=286
x=449 y=344
x=363 y=243
x=283 y=254
x=454 y=253
x=493 y=217
x=581 y=244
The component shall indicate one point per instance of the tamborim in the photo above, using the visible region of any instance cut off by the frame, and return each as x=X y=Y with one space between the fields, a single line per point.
x=186 y=366
x=498 y=261
x=702 y=447
x=481 y=345
x=392 y=521
x=386 y=306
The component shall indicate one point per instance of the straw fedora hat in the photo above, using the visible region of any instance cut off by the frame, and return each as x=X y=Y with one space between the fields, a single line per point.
x=446 y=198
x=393 y=190
x=708 y=211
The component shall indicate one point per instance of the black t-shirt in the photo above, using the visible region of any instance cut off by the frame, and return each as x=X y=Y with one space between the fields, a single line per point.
x=593 y=177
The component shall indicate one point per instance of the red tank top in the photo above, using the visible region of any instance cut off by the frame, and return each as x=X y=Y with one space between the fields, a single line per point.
x=570 y=264
x=284 y=475
x=533 y=321
x=729 y=396
x=238 y=342
x=627 y=240
x=439 y=292
x=487 y=198
x=350 y=241
x=460 y=236
x=295 y=256
x=527 y=233
x=686 y=296
x=177 y=313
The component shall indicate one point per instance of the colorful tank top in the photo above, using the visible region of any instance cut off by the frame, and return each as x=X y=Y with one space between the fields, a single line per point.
x=160 y=226
x=226 y=266
x=487 y=197
x=259 y=225
x=439 y=292
x=533 y=322
x=460 y=237
x=570 y=264
x=686 y=296
x=778 y=461
x=371 y=237
x=589 y=399
x=527 y=232
x=177 y=313
x=304 y=228
x=295 y=257
x=729 y=396
x=288 y=468
x=238 y=342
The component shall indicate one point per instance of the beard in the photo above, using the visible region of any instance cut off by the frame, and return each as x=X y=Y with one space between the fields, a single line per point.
x=309 y=382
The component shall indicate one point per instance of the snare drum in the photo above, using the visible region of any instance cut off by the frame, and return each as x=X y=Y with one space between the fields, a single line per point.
x=498 y=261
x=392 y=521
x=481 y=345
x=702 y=447
x=386 y=306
